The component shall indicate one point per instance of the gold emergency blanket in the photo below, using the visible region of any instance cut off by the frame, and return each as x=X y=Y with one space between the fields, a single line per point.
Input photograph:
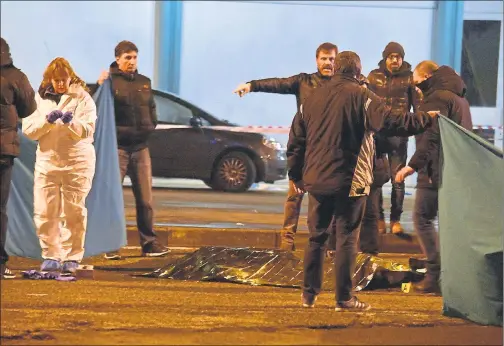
x=261 y=267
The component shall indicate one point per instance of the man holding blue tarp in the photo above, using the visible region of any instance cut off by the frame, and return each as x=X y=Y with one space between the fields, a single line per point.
x=135 y=118
x=443 y=89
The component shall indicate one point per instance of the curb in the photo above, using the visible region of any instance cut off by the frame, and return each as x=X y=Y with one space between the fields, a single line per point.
x=258 y=238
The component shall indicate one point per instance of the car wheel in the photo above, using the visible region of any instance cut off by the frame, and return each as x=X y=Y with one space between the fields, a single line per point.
x=235 y=172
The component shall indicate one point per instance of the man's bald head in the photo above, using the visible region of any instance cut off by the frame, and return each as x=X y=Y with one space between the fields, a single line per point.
x=424 y=70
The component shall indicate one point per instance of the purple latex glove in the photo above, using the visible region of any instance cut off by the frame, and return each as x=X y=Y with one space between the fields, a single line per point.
x=54 y=115
x=67 y=117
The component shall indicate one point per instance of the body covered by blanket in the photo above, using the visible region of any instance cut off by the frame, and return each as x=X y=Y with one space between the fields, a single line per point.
x=276 y=268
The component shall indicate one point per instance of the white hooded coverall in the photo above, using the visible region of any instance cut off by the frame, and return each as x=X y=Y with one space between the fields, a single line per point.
x=64 y=170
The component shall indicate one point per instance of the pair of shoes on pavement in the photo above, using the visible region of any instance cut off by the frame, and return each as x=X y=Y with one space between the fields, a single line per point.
x=395 y=227
x=6 y=273
x=66 y=268
x=153 y=249
x=354 y=304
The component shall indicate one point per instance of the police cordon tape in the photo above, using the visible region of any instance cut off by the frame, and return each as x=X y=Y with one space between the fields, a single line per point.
x=275 y=129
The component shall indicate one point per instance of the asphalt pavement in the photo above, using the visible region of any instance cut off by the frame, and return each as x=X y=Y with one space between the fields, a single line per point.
x=189 y=214
x=117 y=308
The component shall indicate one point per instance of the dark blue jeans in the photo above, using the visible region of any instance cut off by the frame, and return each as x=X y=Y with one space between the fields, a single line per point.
x=424 y=214
x=346 y=214
x=137 y=165
x=397 y=156
x=368 y=239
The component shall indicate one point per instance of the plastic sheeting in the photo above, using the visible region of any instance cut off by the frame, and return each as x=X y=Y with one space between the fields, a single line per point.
x=106 y=222
x=276 y=268
x=471 y=225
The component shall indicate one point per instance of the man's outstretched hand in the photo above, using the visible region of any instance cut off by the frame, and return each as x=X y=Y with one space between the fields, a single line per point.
x=403 y=173
x=242 y=89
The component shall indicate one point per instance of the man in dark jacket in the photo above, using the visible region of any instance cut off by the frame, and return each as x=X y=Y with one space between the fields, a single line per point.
x=17 y=100
x=369 y=234
x=330 y=155
x=301 y=85
x=393 y=81
x=442 y=89
x=135 y=118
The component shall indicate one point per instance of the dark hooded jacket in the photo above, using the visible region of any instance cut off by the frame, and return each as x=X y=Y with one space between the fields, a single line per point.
x=135 y=109
x=301 y=85
x=17 y=100
x=331 y=147
x=444 y=91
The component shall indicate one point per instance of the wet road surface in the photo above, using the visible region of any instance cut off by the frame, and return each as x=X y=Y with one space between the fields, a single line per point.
x=253 y=209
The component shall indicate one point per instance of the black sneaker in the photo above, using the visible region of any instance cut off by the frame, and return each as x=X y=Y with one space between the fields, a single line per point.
x=154 y=249
x=112 y=255
x=308 y=300
x=7 y=273
x=353 y=304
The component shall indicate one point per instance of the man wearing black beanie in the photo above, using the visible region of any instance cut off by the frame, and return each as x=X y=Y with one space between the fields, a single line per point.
x=393 y=81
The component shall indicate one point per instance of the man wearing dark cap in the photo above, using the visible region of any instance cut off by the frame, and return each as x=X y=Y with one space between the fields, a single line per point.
x=17 y=100
x=330 y=155
x=301 y=85
x=393 y=81
x=136 y=119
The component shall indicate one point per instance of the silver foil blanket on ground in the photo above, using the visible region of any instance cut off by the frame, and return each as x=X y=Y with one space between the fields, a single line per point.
x=260 y=267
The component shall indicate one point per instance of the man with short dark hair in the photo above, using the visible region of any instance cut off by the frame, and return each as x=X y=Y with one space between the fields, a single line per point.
x=17 y=100
x=442 y=89
x=301 y=85
x=330 y=155
x=135 y=118
x=393 y=81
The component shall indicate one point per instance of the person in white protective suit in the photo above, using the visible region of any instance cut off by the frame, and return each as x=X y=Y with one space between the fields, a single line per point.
x=63 y=125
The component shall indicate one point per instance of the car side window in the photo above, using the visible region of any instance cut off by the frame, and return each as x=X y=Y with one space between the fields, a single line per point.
x=170 y=112
x=205 y=122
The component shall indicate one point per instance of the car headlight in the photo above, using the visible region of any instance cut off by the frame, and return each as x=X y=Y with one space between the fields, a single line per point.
x=270 y=142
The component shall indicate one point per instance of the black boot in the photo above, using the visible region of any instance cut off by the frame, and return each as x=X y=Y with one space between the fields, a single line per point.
x=430 y=283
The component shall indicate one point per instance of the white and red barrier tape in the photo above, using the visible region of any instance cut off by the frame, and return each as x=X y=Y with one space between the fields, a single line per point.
x=277 y=129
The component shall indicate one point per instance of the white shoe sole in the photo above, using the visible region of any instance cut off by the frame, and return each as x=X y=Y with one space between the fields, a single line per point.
x=157 y=254
x=352 y=309
x=112 y=258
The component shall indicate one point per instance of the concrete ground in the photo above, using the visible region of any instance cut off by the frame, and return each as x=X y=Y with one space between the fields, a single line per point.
x=179 y=202
x=116 y=308
x=192 y=216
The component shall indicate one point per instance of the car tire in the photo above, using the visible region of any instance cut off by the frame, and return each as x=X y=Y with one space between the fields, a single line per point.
x=235 y=172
